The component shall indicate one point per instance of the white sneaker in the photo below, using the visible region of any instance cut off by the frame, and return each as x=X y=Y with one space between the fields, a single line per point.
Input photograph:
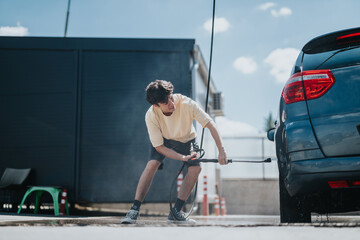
x=130 y=217
x=179 y=218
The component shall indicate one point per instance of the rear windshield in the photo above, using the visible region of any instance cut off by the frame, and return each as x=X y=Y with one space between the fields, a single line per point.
x=332 y=59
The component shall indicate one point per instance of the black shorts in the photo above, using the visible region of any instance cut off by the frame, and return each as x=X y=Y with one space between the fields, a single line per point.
x=179 y=147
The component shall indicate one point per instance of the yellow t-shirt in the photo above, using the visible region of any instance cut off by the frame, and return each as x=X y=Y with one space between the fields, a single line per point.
x=179 y=125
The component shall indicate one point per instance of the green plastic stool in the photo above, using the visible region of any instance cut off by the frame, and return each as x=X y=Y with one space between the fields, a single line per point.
x=53 y=191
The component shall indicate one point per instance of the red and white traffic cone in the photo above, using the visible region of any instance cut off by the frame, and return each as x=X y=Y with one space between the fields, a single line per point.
x=179 y=182
x=62 y=206
x=223 y=207
x=217 y=205
x=205 y=210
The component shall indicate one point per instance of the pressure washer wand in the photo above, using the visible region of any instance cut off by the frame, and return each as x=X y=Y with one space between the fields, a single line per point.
x=214 y=160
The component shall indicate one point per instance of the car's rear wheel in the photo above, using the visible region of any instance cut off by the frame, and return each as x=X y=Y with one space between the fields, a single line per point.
x=292 y=209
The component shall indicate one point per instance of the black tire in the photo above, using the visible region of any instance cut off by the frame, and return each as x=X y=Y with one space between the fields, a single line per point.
x=292 y=209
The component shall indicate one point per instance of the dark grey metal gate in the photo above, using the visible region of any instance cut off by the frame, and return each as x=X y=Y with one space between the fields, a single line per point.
x=73 y=110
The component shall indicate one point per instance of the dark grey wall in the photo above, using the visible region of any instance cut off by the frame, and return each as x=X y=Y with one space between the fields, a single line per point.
x=73 y=110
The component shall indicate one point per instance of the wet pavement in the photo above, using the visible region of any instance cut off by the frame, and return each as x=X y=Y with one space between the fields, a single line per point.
x=161 y=221
x=41 y=227
x=177 y=233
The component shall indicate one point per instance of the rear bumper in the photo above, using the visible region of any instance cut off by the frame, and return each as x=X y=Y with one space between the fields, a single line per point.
x=311 y=176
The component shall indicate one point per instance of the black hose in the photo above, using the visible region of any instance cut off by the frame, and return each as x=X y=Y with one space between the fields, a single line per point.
x=210 y=64
x=201 y=154
x=202 y=135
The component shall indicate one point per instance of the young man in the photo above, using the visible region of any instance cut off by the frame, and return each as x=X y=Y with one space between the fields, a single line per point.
x=170 y=126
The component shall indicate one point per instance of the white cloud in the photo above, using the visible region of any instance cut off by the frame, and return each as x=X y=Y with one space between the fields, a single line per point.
x=266 y=6
x=14 y=31
x=221 y=25
x=231 y=128
x=281 y=61
x=284 y=11
x=245 y=65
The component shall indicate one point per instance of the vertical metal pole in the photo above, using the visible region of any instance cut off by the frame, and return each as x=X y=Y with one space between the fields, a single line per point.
x=67 y=17
x=263 y=157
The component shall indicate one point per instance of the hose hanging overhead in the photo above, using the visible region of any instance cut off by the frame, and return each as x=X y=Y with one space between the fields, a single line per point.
x=209 y=73
x=206 y=110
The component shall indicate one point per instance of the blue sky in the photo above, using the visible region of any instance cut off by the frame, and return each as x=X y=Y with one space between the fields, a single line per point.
x=255 y=45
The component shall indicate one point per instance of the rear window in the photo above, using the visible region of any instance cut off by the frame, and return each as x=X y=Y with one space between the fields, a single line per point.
x=332 y=59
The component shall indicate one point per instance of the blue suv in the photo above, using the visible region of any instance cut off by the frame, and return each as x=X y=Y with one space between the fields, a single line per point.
x=317 y=135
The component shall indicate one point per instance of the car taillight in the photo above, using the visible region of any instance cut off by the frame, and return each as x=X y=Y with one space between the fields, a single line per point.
x=348 y=38
x=338 y=184
x=344 y=184
x=315 y=82
x=293 y=90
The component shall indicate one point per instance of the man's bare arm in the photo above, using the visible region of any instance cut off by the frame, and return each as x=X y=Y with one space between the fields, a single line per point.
x=222 y=158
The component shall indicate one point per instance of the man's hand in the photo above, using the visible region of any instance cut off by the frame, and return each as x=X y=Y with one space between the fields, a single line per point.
x=189 y=157
x=222 y=158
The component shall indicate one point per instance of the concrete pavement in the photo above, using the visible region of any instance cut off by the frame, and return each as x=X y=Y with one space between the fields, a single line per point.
x=148 y=221
x=155 y=228
x=177 y=233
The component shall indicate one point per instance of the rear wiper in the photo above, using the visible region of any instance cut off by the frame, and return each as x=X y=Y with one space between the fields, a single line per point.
x=342 y=50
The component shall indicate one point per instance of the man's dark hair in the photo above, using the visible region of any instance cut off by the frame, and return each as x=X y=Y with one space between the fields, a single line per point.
x=159 y=91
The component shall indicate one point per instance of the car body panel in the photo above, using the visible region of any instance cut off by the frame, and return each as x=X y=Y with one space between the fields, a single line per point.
x=338 y=134
x=298 y=132
x=335 y=115
x=300 y=136
x=306 y=155
x=294 y=135
x=313 y=175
